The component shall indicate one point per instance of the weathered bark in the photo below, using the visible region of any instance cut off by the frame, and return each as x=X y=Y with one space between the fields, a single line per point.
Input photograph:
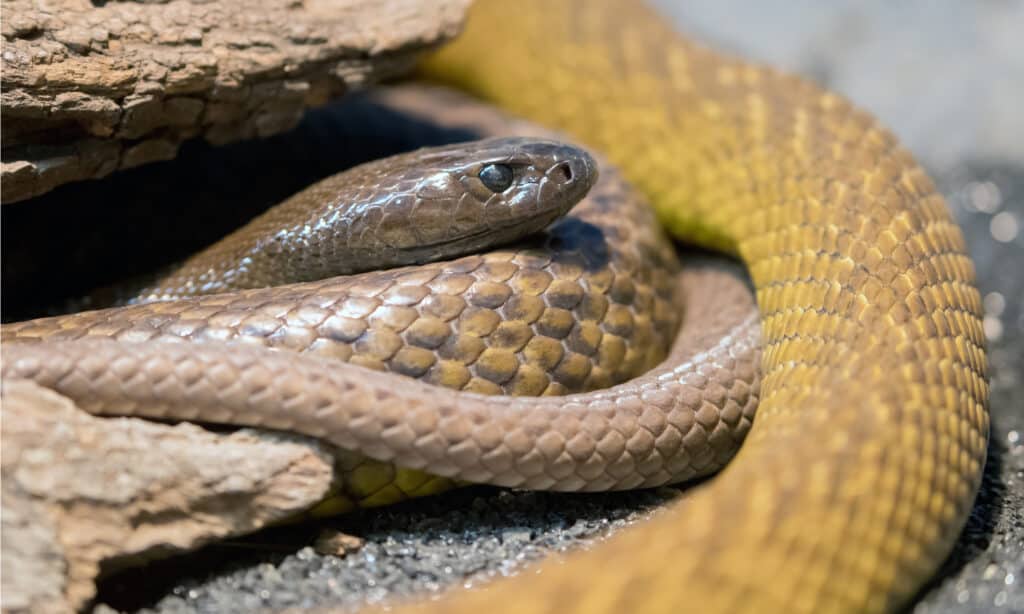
x=80 y=493
x=92 y=87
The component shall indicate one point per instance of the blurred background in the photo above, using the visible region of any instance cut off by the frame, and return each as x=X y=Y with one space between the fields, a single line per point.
x=948 y=77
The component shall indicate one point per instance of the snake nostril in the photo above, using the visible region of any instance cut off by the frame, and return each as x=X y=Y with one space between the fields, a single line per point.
x=564 y=172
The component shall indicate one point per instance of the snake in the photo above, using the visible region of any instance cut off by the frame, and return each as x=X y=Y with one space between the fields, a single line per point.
x=866 y=454
x=592 y=303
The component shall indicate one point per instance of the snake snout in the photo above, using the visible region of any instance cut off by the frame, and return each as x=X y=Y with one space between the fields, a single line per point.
x=573 y=166
x=572 y=172
x=553 y=176
x=562 y=164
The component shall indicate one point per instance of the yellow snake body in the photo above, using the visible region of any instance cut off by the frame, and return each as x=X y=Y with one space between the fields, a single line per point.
x=870 y=438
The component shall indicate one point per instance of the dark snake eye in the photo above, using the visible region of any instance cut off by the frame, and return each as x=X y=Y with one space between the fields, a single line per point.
x=497 y=177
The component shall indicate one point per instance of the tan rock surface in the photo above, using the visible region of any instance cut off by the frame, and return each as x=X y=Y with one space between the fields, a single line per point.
x=80 y=492
x=92 y=87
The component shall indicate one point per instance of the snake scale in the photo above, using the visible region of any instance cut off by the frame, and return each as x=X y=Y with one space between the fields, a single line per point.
x=872 y=426
x=591 y=304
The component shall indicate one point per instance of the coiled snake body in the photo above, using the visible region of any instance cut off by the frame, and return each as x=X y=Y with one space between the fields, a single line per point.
x=590 y=305
x=872 y=426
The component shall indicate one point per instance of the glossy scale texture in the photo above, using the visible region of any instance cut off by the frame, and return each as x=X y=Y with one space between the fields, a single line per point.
x=870 y=437
x=592 y=304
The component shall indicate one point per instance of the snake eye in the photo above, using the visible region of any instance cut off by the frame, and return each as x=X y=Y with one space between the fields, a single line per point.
x=497 y=177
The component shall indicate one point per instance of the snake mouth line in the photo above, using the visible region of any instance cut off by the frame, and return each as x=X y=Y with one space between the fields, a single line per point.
x=538 y=223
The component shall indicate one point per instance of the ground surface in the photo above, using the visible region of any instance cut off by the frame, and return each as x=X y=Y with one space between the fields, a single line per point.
x=946 y=77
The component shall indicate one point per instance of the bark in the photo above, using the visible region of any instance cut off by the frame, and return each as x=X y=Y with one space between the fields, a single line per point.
x=82 y=494
x=90 y=87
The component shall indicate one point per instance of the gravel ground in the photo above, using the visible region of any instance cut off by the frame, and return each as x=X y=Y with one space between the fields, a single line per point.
x=947 y=86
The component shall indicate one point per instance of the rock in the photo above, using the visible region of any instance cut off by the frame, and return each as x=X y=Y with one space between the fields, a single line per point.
x=92 y=87
x=82 y=493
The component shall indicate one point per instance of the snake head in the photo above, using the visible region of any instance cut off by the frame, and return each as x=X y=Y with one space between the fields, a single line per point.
x=412 y=208
x=473 y=195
